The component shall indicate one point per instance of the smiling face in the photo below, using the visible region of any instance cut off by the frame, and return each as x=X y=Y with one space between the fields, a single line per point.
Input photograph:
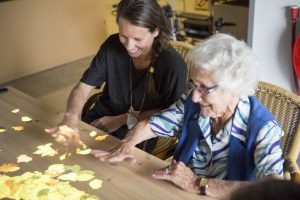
x=218 y=103
x=137 y=40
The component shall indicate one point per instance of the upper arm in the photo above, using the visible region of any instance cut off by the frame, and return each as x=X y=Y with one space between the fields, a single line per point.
x=268 y=155
x=83 y=90
x=169 y=122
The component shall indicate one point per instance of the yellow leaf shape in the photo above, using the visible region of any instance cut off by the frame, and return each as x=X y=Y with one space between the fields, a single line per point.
x=72 y=176
x=18 y=128
x=64 y=156
x=23 y=158
x=45 y=150
x=83 y=151
x=96 y=184
x=65 y=130
x=2 y=130
x=85 y=177
x=93 y=133
x=9 y=167
x=26 y=119
x=15 y=110
x=61 y=139
x=101 y=137
x=55 y=170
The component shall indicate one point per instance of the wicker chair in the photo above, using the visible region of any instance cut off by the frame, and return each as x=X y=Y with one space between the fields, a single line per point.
x=285 y=106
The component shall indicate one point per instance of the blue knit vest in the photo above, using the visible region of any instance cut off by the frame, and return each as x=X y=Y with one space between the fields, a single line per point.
x=241 y=156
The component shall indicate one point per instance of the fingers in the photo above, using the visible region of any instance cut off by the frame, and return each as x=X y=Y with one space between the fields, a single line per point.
x=162 y=174
x=113 y=157
x=99 y=153
x=51 y=130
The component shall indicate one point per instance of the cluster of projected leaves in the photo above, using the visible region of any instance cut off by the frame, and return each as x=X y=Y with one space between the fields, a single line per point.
x=54 y=182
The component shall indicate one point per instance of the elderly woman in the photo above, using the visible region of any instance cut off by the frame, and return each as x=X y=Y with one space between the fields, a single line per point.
x=227 y=138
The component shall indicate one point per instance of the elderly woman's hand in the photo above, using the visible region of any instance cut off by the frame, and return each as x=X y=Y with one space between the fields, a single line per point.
x=180 y=175
x=117 y=154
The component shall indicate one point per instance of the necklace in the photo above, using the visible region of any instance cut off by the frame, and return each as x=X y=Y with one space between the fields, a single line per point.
x=133 y=114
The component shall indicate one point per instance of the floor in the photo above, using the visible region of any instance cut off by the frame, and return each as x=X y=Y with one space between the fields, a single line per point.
x=53 y=86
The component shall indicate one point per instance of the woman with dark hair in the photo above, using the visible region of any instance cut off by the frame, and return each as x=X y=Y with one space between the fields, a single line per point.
x=142 y=72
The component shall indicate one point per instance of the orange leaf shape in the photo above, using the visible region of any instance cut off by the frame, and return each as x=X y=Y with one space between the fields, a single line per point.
x=9 y=167
x=101 y=137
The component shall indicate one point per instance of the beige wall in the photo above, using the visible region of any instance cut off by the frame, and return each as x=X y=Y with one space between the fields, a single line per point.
x=36 y=35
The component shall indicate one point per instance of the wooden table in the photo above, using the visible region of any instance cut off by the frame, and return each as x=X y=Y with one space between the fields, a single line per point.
x=120 y=181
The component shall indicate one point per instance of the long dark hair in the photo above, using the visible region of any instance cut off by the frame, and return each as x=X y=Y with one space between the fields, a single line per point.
x=147 y=14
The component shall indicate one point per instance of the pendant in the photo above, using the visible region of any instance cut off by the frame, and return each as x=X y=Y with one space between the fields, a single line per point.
x=132 y=117
x=132 y=112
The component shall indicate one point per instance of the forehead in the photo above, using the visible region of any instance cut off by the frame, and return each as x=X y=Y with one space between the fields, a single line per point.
x=131 y=31
x=202 y=76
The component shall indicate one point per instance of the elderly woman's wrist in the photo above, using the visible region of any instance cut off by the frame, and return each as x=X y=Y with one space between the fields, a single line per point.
x=196 y=183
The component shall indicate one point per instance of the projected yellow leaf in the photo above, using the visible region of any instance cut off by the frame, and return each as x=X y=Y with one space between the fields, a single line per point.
x=18 y=128
x=93 y=133
x=60 y=139
x=26 y=119
x=72 y=176
x=15 y=110
x=9 y=167
x=45 y=150
x=64 y=156
x=95 y=184
x=101 y=137
x=85 y=175
x=65 y=130
x=83 y=151
x=23 y=158
x=55 y=170
x=2 y=130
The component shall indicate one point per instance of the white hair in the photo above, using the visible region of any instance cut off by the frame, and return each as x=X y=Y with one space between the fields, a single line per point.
x=232 y=62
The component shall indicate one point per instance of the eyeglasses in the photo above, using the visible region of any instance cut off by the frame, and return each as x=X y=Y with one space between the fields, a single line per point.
x=202 y=89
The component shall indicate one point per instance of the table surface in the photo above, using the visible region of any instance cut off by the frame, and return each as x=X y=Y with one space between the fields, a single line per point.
x=120 y=181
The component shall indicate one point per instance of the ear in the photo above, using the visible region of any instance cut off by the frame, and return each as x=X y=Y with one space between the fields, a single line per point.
x=156 y=32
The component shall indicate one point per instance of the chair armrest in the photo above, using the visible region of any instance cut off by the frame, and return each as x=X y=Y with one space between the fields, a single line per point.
x=90 y=103
x=293 y=169
x=295 y=177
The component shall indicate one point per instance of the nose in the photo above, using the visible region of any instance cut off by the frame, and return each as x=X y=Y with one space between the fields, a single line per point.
x=130 y=45
x=196 y=96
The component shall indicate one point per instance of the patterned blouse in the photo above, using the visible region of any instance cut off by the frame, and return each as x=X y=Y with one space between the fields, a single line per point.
x=211 y=154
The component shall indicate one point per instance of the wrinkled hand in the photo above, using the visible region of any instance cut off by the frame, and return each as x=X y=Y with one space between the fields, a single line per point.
x=118 y=154
x=108 y=123
x=65 y=135
x=180 y=175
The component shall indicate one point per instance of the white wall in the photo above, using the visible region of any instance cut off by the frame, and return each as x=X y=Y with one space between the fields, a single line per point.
x=269 y=34
x=36 y=35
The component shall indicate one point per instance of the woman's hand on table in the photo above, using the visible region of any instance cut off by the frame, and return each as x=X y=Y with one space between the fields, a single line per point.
x=109 y=123
x=66 y=133
x=180 y=175
x=117 y=154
